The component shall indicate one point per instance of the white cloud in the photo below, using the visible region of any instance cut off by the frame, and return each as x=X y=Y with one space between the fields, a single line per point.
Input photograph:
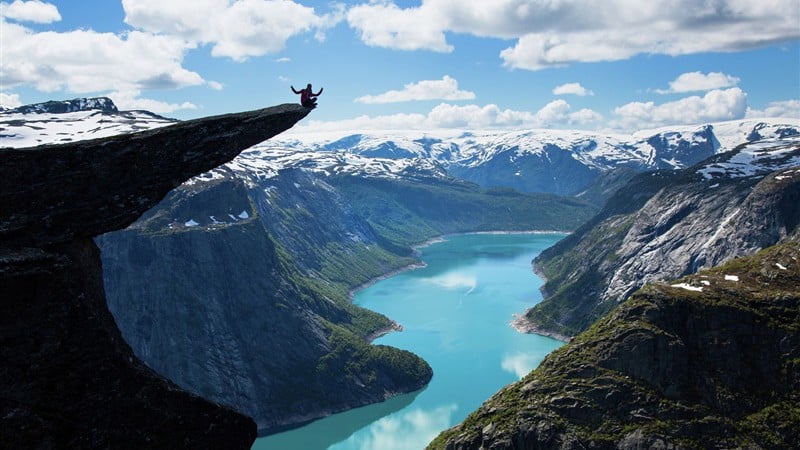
x=571 y=88
x=237 y=30
x=215 y=85
x=383 y=24
x=9 y=100
x=785 y=108
x=30 y=11
x=714 y=106
x=444 y=89
x=557 y=113
x=445 y=115
x=698 y=81
x=84 y=61
x=127 y=100
x=283 y=60
x=557 y=33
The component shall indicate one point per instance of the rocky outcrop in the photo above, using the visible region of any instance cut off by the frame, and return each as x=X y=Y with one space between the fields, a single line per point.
x=68 y=379
x=707 y=361
x=670 y=224
x=245 y=323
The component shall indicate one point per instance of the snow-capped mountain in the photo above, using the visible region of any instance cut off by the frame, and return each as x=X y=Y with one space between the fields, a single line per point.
x=57 y=122
x=558 y=161
x=754 y=159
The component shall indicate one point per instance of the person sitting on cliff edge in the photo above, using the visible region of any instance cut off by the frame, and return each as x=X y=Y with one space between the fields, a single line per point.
x=307 y=97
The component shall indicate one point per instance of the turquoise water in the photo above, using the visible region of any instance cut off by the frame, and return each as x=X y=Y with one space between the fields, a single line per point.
x=455 y=313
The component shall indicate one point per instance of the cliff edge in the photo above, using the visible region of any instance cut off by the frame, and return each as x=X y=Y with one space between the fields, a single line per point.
x=68 y=379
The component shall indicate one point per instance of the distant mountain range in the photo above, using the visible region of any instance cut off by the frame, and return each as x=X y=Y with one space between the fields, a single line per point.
x=552 y=161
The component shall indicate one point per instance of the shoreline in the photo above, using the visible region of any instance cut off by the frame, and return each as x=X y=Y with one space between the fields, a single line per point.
x=522 y=325
x=394 y=326
x=416 y=253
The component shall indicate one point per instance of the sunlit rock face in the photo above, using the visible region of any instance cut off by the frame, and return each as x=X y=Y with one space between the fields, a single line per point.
x=669 y=224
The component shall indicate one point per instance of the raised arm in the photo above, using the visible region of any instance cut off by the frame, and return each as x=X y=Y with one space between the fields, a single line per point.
x=320 y=91
x=294 y=90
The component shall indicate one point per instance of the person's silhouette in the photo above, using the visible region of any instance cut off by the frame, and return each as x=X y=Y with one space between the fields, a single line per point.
x=307 y=97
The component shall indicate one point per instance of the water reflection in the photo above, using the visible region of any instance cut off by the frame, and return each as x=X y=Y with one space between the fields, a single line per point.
x=520 y=364
x=454 y=280
x=465 y=338
x=412 y=429
x=318 y=435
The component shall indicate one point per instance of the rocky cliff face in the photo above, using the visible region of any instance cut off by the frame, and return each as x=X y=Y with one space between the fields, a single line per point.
x=257 y=271
x=666 y=225
x=240 y=304
x=707 y=361
x=68 y=378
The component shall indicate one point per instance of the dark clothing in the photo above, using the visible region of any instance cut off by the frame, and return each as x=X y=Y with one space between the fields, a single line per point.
x=307 y=97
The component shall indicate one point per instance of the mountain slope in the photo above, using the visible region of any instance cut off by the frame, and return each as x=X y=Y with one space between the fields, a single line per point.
x=666 y=225
x=707 y=361
x=260 y=266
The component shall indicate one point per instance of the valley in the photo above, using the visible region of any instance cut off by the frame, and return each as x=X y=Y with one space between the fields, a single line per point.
x=235 y=285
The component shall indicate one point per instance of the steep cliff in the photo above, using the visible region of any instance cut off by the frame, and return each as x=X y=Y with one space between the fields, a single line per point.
x=669 y=224
x=259 y=265
x=68 y=379
x=256 y=313
x=707 y=361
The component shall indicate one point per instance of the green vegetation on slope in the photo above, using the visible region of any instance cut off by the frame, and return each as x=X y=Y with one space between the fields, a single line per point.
x=405 y=212
x=712 y=368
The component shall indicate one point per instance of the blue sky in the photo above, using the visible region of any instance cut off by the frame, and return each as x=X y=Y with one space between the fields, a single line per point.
x=585 y=64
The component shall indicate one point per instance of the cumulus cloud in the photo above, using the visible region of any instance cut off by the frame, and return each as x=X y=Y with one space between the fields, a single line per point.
x=237 y=30
x=384 y=24
x=698 y=81
x=30 y=11
x=444 y=89
x=127 y=100
x=87 y=61
x=554 y=114
x=557 y=33
x=785 y=108
x=9 y=100
x=571 y=88
x=714 y=106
